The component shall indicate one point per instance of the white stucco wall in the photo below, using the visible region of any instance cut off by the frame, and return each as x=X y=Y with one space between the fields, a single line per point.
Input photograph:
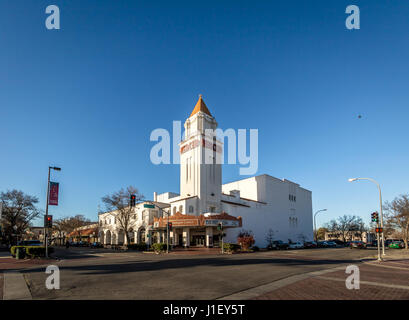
x=273 y=210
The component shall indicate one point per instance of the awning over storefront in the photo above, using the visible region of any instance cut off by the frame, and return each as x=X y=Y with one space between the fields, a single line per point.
x=184 y=220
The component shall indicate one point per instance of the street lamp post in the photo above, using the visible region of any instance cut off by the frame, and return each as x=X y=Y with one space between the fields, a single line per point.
x=46 y=209
x=315 y=226
x=380 y=204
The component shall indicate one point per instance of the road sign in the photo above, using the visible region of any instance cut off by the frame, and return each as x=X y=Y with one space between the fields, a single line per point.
x=150 y=206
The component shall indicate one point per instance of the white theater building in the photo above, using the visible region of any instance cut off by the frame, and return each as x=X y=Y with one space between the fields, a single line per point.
x=260 y=204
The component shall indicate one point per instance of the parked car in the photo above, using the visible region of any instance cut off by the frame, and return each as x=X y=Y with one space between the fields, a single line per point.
x=389 y=241
x=295 y=245
x=279 y=245
x=339 y=243
x=330 y=244
x=397 y=245
x=96 y=245
x=29 y=243
x=358 y=245
x=322 y=244
x=310 y=244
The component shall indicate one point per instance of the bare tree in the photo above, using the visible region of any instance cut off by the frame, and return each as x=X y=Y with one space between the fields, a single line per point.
x=398 y=215
x=19 y=209
x=71 y=224
x=120 y=203
x=346 y=226
x=270 y=237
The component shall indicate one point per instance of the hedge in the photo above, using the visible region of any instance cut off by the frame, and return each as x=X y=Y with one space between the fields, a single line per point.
x=231 y=247
x=160 y=247
x=32 y=251
x=138 y=246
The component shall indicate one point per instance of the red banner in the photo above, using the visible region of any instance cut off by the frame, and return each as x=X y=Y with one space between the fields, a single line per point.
x=53 y=197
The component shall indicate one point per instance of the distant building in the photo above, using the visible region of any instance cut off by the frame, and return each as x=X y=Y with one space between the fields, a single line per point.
x=354 y=236
x=88 y=233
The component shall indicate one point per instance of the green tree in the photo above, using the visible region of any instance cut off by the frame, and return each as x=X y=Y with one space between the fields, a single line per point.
x=321 y=233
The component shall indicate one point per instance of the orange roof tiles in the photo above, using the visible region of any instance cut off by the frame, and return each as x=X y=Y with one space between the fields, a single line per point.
x=200 y=106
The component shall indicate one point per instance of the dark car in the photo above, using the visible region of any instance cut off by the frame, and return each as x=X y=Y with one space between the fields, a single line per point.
x=357 y=244
x=279 y=245
x=30 y=243
x=321 y=244
x=339 y=243
x=331 y=244
x=310 y=244
x=96 y=245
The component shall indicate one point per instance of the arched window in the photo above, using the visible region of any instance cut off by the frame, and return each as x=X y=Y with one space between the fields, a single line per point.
x=174 y=210
x=181 y=209
x=191 y=209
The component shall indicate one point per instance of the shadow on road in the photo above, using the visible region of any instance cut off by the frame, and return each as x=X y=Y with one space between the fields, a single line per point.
x=144 y=265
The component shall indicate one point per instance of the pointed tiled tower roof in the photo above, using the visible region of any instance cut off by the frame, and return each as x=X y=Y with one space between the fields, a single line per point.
x=200 y=106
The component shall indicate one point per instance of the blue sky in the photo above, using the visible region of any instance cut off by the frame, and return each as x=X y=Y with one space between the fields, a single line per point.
x=87 y=97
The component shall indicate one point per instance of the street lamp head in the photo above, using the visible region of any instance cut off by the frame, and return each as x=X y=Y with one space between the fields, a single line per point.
x=57 y=169
x=352 y=179
x=324 y=209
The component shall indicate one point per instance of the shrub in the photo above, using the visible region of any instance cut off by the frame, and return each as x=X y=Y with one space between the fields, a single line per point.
x=138 y=246
x=255 y=248
x=32 y=251
x=231 y=247
x=245 y=239
x=159 y=247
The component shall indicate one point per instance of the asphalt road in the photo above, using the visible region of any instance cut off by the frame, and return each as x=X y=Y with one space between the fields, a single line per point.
x=102 y=274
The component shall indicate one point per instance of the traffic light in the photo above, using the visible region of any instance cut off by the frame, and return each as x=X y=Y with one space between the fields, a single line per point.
x=375 y=217
x=48 y=221
x=133 y=200
x=378 y=230
x=170 y=226
x=220 y=226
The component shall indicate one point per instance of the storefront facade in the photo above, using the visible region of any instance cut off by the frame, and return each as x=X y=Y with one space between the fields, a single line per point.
x=195 y=231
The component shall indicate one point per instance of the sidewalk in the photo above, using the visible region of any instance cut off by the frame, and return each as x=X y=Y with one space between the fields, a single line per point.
x=14 y=264
x=388 y=280
x=13 y=285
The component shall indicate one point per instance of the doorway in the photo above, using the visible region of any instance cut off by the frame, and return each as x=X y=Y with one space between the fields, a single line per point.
x=198 y=240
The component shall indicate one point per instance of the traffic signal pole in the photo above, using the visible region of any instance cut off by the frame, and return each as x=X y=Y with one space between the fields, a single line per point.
x=378 y=238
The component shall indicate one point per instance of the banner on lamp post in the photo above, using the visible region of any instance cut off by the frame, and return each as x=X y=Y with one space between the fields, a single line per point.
x=53 y=197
